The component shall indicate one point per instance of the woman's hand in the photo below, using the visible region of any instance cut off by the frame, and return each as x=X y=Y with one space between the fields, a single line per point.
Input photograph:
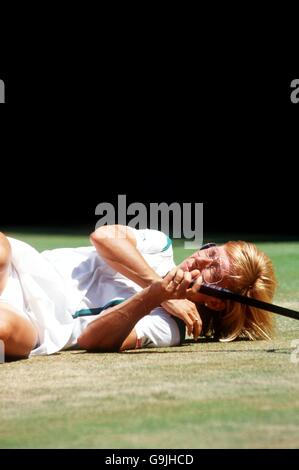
x=190 y=263
x=186 y=311
x=174 y=286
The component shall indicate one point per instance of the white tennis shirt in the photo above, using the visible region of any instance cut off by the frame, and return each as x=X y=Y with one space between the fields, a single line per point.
x=62 y=290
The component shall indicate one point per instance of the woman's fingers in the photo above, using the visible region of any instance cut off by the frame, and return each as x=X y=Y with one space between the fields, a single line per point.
x=193 y=324
x=177 y=282
x=178 y=278
x=169 y=277
x=184 y=285
x=195 y=273
x=196 y=322
x=189 y=324
x=197 y=327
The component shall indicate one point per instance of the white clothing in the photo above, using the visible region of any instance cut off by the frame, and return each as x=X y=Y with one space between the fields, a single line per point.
x=61 y=291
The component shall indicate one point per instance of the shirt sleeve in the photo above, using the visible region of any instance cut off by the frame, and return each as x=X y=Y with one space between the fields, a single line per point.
x=151 y=241
x=156 y=249
x=157 y=330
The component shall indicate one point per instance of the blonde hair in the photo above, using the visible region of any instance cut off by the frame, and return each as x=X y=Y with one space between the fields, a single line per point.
x=251 y=274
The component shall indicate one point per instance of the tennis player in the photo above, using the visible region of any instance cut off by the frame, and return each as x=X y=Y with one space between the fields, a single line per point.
x=125 y=292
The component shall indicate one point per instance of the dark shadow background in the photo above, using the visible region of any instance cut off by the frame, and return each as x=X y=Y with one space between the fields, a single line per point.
x=158 y=128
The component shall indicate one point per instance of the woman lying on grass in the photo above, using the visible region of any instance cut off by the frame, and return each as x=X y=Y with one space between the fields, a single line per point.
x=125 y=292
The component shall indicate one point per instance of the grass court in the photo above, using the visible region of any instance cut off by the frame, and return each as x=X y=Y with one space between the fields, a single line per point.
x=204 y=395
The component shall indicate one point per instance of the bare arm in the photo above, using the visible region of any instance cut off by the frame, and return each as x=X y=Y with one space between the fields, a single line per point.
x=5 y=259
x=117 y=245
x=111 y=330
x=113 y=327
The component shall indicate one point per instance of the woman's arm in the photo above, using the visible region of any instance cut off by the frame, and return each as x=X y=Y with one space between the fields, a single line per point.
x=116 y=244
x=5 y=259
x=111 y=330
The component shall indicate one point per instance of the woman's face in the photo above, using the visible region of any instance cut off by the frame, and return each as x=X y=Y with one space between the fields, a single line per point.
x=213 y=266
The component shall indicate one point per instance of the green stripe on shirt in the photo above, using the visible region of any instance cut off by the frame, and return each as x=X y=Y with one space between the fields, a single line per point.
x=168 y=244
x=86 y=312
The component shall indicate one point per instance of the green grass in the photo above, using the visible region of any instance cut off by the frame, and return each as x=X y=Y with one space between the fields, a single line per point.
x=204 y=395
